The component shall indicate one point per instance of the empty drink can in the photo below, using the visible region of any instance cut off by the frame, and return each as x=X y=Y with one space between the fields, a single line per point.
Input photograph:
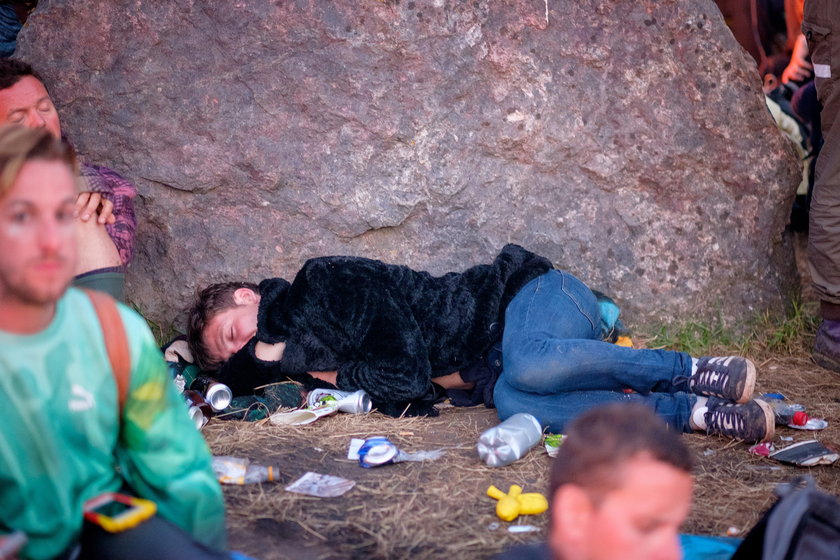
x=218 y=395
x=377 y=451
x=357 y=402
x=200 y=410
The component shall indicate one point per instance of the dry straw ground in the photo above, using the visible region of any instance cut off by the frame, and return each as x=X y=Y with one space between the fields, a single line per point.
x=439 y=509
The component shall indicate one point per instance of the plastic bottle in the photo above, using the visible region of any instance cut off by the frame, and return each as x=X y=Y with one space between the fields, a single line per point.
x=238 y=470
x=183 y=374
x=787 y=412
x=510 y=440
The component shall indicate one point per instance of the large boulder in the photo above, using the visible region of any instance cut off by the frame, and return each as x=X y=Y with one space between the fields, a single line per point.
x=627 y=141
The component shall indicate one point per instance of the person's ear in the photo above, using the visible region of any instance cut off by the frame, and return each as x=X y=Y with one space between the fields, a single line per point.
x=571 y=513
x=243 y=296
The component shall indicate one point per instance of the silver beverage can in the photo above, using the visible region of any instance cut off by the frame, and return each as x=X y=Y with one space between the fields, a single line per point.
x=200 y=410
x=357 y=402
x=219 y=396
x=510 y=440
x=198 y=417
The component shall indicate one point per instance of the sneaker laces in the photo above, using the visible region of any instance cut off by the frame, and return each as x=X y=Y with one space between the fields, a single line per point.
x=689 y=382
x=710 y=377
x=726 y=419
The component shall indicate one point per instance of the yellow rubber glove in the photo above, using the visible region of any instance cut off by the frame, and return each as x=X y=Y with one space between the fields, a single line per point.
x=515 y=503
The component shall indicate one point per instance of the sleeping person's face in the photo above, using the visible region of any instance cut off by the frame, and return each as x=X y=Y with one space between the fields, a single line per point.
x=230 y=330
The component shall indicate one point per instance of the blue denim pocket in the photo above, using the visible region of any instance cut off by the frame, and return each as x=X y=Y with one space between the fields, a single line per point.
x=583 y=298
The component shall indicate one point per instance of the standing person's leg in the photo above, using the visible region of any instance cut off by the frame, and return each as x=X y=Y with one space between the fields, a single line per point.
x=552 y=344
x=822 y=31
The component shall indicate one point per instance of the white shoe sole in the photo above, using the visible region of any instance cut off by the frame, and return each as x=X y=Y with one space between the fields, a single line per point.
x=769 y=420
x=749 y=384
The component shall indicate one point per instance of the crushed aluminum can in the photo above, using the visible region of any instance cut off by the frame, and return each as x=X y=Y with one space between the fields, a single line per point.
x=357 y=402
x=376 y=451
x=763 y=449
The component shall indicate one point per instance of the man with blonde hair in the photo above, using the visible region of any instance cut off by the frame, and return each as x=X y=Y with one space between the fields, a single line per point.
x=105 y=223
x=74 y=428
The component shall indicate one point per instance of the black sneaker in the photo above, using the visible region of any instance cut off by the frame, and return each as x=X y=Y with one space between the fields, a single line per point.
x=753 y=421
x=827 y=346
x=731 y=378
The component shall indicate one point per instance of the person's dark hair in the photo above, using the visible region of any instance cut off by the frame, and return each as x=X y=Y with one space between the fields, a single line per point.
x=19 y=144
x=601 y=440
x=11 y=71
x=211 y=301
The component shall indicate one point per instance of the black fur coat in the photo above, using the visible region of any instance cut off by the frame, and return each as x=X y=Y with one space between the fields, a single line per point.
x=385 y=328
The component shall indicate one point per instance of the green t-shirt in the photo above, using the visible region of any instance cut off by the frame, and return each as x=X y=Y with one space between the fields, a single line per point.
x=63 y=443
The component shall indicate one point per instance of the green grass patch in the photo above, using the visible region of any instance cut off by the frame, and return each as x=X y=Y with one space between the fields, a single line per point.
x=163 y=334
x=699 y=339
x=789 y=335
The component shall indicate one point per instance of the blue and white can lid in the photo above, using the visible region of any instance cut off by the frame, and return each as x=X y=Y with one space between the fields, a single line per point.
x=376 y=451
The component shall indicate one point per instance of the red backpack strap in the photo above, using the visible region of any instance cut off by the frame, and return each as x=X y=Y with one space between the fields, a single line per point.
x=116 y=341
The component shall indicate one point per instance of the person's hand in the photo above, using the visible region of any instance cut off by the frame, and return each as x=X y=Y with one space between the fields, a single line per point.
x=270 y=352
x=328 y=376
x=94 y=204
x=798 y=69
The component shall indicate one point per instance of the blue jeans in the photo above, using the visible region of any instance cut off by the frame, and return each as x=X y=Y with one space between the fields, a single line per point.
x=556 y=366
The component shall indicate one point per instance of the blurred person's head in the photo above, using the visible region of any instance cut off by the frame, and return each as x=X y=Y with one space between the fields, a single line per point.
x=37 y=225
x=621 y=487
x=24 y=99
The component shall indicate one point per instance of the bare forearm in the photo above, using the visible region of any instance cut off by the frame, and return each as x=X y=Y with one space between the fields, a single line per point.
x=96 y=248
x=452 y=381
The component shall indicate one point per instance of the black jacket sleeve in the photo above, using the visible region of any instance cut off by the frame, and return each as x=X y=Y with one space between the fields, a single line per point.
x=242 y=372
x=384 y=349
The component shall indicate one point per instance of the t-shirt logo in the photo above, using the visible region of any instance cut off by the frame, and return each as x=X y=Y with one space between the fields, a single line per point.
x=81 y=399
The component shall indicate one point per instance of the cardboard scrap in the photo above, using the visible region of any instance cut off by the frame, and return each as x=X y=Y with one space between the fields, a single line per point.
x=805 y=454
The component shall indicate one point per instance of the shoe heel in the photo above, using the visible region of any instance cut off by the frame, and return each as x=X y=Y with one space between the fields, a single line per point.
x=749 y=384
x=769 y=420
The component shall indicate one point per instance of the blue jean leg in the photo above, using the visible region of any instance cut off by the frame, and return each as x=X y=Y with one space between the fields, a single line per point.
x=554 y=411
x=554 y=358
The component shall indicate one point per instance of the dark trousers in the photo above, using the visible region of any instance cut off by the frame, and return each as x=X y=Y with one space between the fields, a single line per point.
x=822 y=30
x=155 y=539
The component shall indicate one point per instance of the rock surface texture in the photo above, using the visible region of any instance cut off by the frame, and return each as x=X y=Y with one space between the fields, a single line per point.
x=626 y=140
